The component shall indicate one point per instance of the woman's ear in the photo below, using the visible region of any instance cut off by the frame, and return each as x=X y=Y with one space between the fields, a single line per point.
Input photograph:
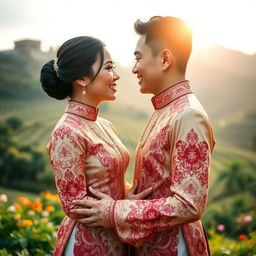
x=166 y=58
x=83 y=81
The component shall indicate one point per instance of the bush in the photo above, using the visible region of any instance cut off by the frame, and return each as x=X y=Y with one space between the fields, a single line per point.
x=28 y=227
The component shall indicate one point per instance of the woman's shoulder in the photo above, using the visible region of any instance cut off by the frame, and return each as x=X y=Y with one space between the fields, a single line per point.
x=107 y=123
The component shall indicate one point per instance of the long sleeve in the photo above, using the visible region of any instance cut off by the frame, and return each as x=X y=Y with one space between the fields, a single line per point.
x=190 y=145
x=67 y=153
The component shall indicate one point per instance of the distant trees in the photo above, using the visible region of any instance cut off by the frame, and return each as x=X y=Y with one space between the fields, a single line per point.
x=237 y=177
x=22 y=167
x=14 y=122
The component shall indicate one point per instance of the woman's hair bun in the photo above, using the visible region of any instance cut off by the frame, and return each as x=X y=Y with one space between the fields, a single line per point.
x=51 y=84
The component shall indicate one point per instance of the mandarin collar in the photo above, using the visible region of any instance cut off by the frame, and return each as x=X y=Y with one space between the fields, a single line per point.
x=83 y=110
x=171 y=94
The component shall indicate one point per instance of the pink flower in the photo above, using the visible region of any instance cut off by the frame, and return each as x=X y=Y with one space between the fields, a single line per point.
x=247 y=218
x=3 y=198
x=11 y=208
x=220 y=227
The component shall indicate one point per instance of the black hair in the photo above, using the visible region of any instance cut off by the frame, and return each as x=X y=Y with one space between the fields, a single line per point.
x=75 y=59
x=167 y=32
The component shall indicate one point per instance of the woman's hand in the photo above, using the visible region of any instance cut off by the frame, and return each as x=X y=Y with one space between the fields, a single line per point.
x=131 y=195
x=94 y=211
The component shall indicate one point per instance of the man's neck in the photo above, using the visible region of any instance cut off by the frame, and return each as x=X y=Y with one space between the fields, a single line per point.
x=170 y=81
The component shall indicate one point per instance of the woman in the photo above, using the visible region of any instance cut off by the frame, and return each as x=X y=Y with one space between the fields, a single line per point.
x=84 y=149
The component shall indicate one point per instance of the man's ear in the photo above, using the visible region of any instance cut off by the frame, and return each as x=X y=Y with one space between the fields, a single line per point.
x=83 y=81
x=166 y=58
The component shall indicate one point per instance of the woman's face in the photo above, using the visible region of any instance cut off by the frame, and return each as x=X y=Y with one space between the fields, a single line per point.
x=103 y=87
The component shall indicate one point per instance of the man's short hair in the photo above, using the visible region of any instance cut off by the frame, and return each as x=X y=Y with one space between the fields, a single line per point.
x=167 y=32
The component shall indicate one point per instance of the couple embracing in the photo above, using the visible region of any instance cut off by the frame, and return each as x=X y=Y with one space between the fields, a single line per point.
x=160 y=213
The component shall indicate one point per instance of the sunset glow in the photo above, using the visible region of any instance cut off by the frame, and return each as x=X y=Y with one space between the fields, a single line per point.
x=229 y=23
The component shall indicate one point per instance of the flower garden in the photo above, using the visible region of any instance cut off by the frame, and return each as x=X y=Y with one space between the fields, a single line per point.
x=29 y=227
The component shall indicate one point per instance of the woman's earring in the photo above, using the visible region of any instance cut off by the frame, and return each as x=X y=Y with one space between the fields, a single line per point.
x=84 y=91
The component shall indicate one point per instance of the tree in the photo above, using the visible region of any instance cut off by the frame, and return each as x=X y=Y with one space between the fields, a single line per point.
x=236 y=177
x=14 y=122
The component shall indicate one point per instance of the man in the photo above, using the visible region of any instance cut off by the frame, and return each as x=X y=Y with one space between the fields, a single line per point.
x=173 y=154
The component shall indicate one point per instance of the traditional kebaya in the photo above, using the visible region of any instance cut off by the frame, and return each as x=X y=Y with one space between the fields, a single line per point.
x=84 y=149
x=85 y=152
x=173 y=156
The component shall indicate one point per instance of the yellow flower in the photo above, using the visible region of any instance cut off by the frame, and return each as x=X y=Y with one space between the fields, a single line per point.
x=49 y=208
x=17 y=216
x=18 y=207
x=24 y=200
x=24 y=223
x=37 y=206
x=48 y=196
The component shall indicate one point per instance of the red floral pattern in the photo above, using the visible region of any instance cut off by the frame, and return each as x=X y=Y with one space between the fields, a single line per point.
x=173 y=157
x=71 y=188
x=79 y=159
x=171 y=94
x=191 y=159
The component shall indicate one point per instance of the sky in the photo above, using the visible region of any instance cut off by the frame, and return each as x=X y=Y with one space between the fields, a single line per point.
x=228 y=23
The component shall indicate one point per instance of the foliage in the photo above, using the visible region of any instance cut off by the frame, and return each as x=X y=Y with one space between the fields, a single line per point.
x=28 y=227
x=21 y=166
x=220 y=245
x=14 y=122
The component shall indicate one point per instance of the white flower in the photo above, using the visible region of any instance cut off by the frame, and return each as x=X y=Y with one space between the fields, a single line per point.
x=3 y=198
x=45 y=214
x=11 y=208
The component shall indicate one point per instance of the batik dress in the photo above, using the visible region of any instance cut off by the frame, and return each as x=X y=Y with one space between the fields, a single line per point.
x=84 y=151
x=173 y=156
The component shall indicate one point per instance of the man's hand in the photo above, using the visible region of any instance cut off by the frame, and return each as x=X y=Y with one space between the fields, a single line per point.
x=131 y=195
x=94 y=211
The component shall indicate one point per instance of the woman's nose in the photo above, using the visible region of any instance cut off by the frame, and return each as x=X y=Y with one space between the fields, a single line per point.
x=135 y=69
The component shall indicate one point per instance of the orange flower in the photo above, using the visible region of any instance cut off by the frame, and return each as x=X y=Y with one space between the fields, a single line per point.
x=242 y=237
x=17 y=216
x=24 y=223
x=24 y=200
x=37 y=206
x=48 y=196
x=49 y=208
x=44 y=220
x=18 y=207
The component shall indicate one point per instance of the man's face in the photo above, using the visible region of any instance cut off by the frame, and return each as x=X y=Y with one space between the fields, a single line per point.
x=147 y=67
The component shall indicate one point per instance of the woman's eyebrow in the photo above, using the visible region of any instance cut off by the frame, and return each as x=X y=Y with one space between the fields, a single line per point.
x=109 y=62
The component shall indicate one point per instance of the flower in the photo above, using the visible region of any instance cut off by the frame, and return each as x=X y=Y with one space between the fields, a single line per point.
x=31 y=213
x=37 y=206
x=45 y=213
x=44 y=220
x=242 y=237
x=220 y=227
x=49 y=208
x=247 y=218
x=3 y=198
x=24 y=223
x=17 y=216
x=18 y=207
x=24 y=200
x=11 y=208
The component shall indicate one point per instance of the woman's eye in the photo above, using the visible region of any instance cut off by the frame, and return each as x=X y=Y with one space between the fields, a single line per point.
x=110 y=67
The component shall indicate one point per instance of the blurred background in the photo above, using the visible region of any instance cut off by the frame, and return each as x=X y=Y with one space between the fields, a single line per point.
x=221 y=72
